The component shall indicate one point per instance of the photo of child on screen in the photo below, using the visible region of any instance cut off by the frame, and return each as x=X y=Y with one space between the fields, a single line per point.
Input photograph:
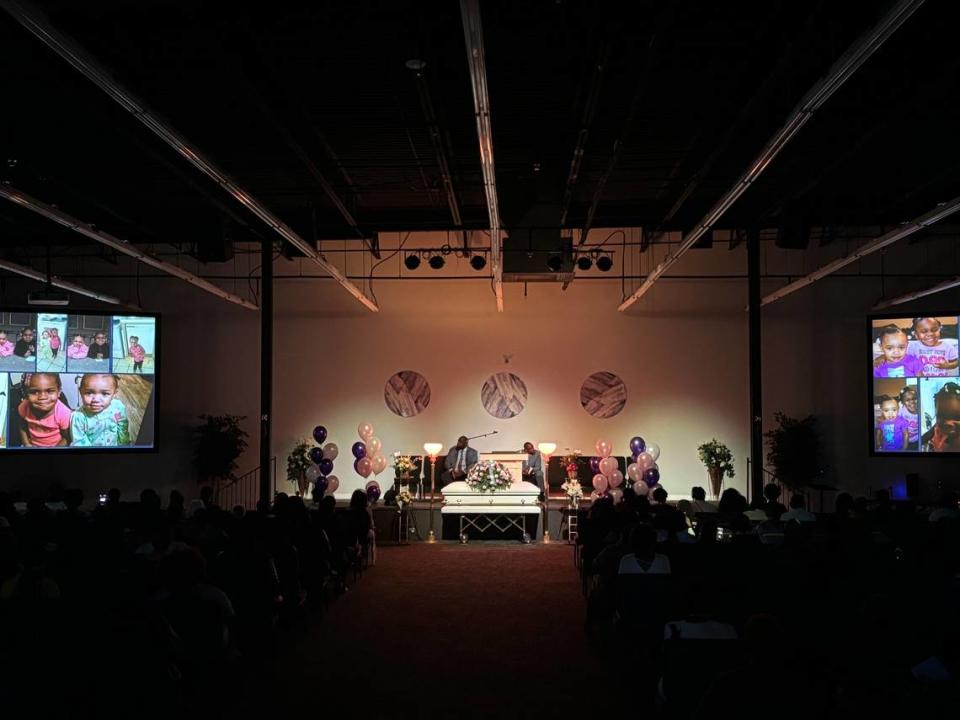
x=52 y=336
x=937 y=356
x=896 y=362
x=101 y=420
x=99 y=349
x=6 y=347
x=944 y=436
x=26 y=346
x=46 y=418
x=77 y=350
x=909 y=411
x=892 y=431
x=137 y=353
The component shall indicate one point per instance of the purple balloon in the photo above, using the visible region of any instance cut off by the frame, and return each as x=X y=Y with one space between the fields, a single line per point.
x=320 y=434
x=595 y=464
x=651 y=476
x=373 y=493
x=637 y=445
x=359 y=450
x=325 y=465
x=355 y=466
x=316 y=455
x=320 y=486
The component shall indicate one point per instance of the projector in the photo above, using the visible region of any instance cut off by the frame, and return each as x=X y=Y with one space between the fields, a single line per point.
x=48 y=296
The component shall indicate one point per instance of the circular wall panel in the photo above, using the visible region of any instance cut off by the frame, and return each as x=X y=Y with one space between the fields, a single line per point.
x=407 y=393
x=603 y=395
x=504 y=395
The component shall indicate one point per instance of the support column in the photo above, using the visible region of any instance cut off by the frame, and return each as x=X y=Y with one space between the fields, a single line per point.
x=756 y=363
x=266 y=369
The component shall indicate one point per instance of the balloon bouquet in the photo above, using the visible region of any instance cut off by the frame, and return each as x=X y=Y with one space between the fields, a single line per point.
x=642 y=472
x=320 y=473
x=369 y=458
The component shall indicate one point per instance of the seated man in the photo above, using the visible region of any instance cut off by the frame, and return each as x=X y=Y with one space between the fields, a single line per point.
x=797 y=511
x=699 y=503
x=459 y=460
x=533 y=466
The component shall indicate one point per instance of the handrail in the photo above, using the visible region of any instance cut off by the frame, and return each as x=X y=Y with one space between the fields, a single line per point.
x=244 y=490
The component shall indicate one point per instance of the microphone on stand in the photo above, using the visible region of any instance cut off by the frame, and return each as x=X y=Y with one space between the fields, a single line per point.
x=474 y=437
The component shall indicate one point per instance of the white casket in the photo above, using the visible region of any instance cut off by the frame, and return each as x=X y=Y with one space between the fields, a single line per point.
x=521 y=498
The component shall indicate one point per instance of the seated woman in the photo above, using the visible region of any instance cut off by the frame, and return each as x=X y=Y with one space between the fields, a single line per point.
x=360 y=525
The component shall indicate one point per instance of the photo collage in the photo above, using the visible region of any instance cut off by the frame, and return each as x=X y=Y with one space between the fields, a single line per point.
x=77 y=381
x=916 y=385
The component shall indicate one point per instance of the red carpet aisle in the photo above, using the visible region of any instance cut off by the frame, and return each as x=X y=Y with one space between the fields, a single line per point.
x=453 y=631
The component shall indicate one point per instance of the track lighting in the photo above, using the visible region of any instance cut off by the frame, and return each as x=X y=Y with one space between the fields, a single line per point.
x=412 y=262
x=604 y=263
x=554 y=263
x=436 y=262
x=584 y=263
x=478 y=262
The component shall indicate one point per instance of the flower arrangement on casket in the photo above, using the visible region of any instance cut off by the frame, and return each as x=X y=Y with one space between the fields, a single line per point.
x=488 y=476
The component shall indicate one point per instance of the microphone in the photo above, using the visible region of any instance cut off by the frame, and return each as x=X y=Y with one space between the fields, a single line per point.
x=474 y=437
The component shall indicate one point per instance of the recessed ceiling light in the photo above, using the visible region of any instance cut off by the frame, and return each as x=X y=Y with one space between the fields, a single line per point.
x=415 y=64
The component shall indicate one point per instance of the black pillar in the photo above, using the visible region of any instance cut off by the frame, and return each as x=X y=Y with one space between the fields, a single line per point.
x=266 y=369
x=756 y=364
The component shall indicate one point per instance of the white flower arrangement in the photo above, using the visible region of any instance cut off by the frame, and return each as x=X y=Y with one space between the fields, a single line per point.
x=573 y=489
x=403 y=464
x=404 y=497
x=489 y=476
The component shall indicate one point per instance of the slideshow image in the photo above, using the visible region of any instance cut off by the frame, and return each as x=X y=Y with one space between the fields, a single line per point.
x=940 y=415
x=49 y=410
x=4 y=395
x=88 y=345
x=51 y=353
x=18 y=342
x=133 y=341
x=896 y=415
x=915 y=347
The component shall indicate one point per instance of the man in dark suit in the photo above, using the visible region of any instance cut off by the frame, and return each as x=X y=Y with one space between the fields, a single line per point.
x=460 y=459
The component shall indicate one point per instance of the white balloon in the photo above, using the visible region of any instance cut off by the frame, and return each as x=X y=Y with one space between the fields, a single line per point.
x=653 y=450
x=617 y=495
x=615 y=478
x=645 y=460
x=312 y=473
x=640 y=488
x=373 y=446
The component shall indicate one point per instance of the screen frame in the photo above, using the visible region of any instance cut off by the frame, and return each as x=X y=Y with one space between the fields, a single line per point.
x=873 y=452
x=71 y=449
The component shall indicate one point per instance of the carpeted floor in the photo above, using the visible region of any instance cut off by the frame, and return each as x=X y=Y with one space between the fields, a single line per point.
x=451 y=631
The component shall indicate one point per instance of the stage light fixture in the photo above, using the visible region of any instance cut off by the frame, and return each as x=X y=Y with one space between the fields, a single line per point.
x=604 y=263
x=478 y=262
x=554 y=263
x=584 y=263
x=436 y=262
x=412 y=262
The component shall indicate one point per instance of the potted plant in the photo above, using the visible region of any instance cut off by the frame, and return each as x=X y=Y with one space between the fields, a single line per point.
x=297 y=463
x=718 y=460
x=219 y=442
x=794 y=450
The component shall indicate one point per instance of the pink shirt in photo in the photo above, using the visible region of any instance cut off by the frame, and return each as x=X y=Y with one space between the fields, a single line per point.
x=6 y=349
x=76 y=352
x=137 y=352
x=45 y=432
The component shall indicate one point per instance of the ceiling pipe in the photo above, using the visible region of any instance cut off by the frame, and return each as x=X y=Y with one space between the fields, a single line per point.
x=838 y=74
x=473 y=37
x=908 y=228
x=29 y=272
x=123 y=246
x=31 y=18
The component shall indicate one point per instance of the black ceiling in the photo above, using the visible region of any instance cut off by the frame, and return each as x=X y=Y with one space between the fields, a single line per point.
x=282 y=93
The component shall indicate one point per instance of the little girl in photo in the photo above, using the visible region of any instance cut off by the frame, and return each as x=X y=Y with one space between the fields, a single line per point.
x=896 y=362
x=46 y=417
x=893 y=432
x=938 y=357
x=137 y=353
x=6 y=347
x=908 y=411
x=101 y=419
x=77 y=350
x=52 y=335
